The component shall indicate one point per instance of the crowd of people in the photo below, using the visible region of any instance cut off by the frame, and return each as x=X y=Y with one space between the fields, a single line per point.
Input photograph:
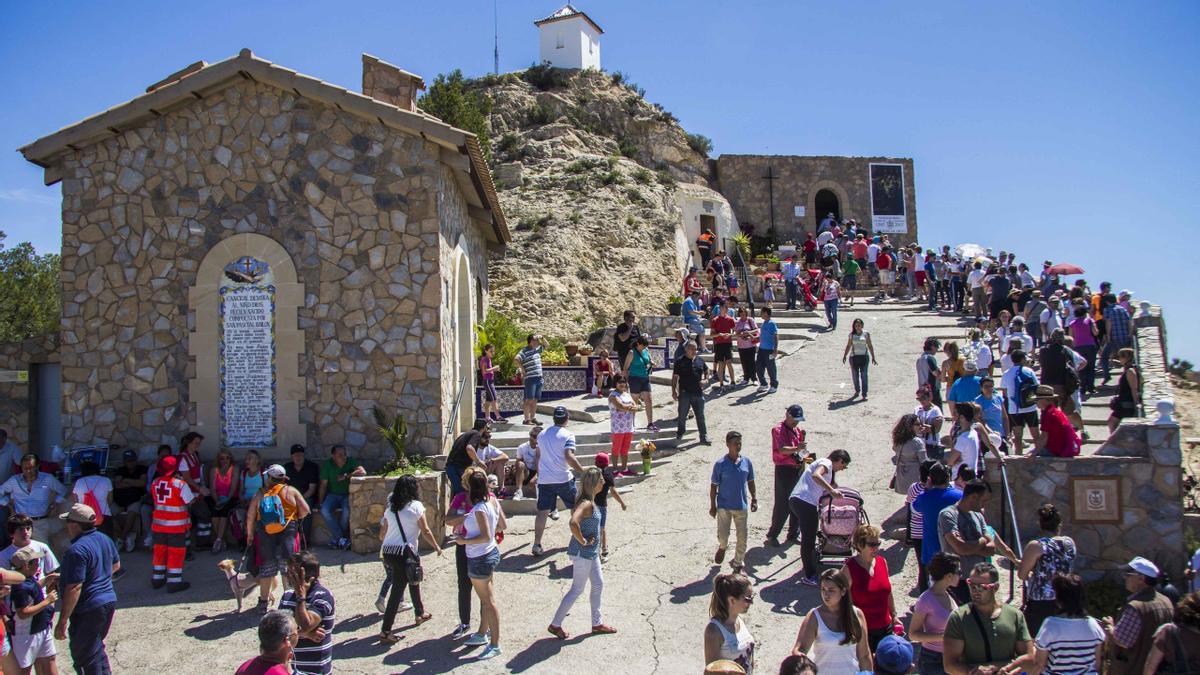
x=1035 y=353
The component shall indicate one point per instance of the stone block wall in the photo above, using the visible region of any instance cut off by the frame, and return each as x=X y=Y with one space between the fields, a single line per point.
x=15 y=397
x=740 y=179
x=369 y=497
x=354 y=204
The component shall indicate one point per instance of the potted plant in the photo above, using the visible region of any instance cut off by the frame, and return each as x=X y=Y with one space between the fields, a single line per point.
x=395 y=432
x=773 y=262
x=675 y=305
x=742 y=241
x=647 y=448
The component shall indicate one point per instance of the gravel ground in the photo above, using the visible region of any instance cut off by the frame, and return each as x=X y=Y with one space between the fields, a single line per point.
x=657 y=582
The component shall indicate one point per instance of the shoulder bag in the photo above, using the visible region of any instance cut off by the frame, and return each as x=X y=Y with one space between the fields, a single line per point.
x=409 y=556
x=987 y=640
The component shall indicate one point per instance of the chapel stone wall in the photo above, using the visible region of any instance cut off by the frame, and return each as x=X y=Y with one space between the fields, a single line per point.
x=16 y=397
x=741 y=179
x=354 y=205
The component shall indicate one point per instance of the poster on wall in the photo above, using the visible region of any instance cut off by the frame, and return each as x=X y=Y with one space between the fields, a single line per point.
x=887 y=198
x=247 y=355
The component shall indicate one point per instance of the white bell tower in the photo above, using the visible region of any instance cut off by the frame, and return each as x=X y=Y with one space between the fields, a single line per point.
x=569 y=39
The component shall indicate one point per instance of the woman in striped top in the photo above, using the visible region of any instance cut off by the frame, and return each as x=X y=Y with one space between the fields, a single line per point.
x=584 y=551
x=916 y=522
x=1070 y=643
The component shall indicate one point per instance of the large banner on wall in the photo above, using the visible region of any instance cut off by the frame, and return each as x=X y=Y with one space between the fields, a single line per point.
x=887 y=198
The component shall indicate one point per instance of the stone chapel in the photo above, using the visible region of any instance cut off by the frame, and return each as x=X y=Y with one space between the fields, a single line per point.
x=264 y=257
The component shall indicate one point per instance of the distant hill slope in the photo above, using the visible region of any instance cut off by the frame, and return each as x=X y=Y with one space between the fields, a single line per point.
x=588 y=172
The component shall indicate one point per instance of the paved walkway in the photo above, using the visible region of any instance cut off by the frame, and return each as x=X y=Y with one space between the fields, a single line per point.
x=659 y=578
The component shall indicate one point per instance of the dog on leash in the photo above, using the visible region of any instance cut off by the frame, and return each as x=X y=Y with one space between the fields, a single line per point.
x=241 y=583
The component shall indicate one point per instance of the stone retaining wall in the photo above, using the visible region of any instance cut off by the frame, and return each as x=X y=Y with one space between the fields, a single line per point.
x=369 y=496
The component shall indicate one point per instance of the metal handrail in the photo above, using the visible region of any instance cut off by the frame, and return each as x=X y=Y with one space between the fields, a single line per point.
x=454 y=410
x=731 y=245
x=1008 y=515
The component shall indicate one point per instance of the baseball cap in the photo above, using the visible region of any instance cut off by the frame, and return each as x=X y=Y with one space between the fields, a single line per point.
x=277 y=472
x=795 y=412
x=297 y=448
x=129 y=455
x=560 y=413
x=894 y=655
x=970 y=366
x=79 y=513
x=601 y=459
x=24 y=556
x=167 y=465
x=1143 y=567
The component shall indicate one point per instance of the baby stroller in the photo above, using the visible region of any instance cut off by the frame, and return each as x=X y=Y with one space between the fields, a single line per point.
x=811 y=285
x=838 y=518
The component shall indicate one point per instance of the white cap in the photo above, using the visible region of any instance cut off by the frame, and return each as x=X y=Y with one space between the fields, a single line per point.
x=1143 y=567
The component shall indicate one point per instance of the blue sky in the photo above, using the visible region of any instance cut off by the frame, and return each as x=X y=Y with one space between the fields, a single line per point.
x=1065 y=130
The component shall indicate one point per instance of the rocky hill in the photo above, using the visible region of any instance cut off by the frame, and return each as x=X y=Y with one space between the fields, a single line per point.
x=588 y=172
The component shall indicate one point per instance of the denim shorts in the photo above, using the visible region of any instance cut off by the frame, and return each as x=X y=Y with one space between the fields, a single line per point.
x=483 y=566
x=603 y=515
x=638 y=385
x=533 y=388
x=550 y=493
x=696 y=327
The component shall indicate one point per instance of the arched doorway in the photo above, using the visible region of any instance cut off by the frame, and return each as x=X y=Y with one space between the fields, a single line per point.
x=825 y=203
x=464 y=344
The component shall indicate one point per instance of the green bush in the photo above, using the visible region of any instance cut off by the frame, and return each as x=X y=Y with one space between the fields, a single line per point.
x=509 y=143
x=628 y=149
x=587 y=164
x=700 y=143
x=539 y=114
x=449 y=100
x=665 y=177
x=643 y=176
x=612 y=177
x=501 y=331
x=546 y=77
x=575 y=218
x=618 y=77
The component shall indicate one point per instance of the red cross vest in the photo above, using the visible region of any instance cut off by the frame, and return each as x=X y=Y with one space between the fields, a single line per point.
x=170 y=509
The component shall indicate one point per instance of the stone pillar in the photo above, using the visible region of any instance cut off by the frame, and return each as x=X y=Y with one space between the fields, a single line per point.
x=384 y=82
x=369 y=497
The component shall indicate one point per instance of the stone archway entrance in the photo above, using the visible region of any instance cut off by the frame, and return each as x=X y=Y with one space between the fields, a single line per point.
x=826 y=202
x=464 y=345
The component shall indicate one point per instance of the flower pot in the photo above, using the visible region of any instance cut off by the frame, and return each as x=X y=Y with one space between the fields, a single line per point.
x=585 y=351
x=675 y=308
x=646 y=462
x=572 y=350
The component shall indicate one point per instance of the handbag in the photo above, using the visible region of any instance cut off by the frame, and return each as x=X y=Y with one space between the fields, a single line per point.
x=409 y=556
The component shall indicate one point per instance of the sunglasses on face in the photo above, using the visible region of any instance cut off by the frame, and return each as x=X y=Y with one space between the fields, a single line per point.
x=984 y=586
x=749 y=598
x=872 y=544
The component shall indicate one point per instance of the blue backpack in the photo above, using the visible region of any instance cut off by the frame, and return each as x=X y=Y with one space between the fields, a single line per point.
x=270 y=512
x=1027 y=385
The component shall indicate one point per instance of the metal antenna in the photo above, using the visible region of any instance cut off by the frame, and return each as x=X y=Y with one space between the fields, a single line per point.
x=496 y=33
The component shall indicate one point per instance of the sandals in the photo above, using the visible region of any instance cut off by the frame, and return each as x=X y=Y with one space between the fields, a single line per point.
x=422 y=619
x=557 y=632
x=388 y=638
x=603 y=629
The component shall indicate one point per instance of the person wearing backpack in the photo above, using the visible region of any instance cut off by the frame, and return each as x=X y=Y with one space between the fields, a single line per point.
x=1058 y=371
x=95 y=491
x=1020 y=384
x=272 y=523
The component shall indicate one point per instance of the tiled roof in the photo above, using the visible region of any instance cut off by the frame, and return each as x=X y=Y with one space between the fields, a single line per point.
x=566 y=12
x=195 y=83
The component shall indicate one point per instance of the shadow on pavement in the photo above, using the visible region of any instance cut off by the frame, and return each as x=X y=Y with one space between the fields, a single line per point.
x=541 y=650
x=845 y=403
x=789 y=596
x=681 y=594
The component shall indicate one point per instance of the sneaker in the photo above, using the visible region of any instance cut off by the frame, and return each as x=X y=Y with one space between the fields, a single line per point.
x=705 y=441
x=381 y=604
x=762 y=389
x=148 y=541
x=460 y=631
x=653 y=427
x=554 y=514
x=773 y=542
x=491 y=652
x=537 y=549
x=604 y=555
x=772 y=390
x=810 y=581
x=518 y=496
x=120 y=573
x=477 y=639
x=130 y=542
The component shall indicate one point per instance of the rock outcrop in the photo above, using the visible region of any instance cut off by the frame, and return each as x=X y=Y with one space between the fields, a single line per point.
x=588 y=172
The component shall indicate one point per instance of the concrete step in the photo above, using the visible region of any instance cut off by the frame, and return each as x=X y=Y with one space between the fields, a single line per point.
x=512 y=438
x=528 y=505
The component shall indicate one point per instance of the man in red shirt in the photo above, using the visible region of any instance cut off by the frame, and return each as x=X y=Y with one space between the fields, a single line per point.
x=887 y=275
x=860 y=252
x=787 y=447
x=277 y=635
x=723 y=329
x=1056 y=436
x=810 y=250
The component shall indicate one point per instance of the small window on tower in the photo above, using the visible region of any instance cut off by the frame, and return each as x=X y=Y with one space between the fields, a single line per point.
x=558 y=41
x=591 y=46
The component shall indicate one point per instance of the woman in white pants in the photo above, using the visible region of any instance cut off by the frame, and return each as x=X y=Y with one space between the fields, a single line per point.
x=584 y=551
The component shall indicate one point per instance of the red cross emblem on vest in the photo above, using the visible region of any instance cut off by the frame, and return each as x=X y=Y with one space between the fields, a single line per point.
x=163 y=492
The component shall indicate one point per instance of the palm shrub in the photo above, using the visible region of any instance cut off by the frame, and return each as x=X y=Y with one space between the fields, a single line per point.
x=395 y=432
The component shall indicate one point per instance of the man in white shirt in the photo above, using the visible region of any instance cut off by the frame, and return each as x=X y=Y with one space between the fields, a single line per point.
x=978 y=293
x=825 y=237
x=527 y=462
x=873 y=256
x=1017 y=334
x=1019 y=417
x=1052 y=317
x=20 y=531
x=556 y=459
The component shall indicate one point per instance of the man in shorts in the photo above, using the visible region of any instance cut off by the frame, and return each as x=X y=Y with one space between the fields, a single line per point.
x=494 y=460
x=723 y=329
x=1019 y=418
x=530 y=360
x=556 y=459
x=526 y=468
